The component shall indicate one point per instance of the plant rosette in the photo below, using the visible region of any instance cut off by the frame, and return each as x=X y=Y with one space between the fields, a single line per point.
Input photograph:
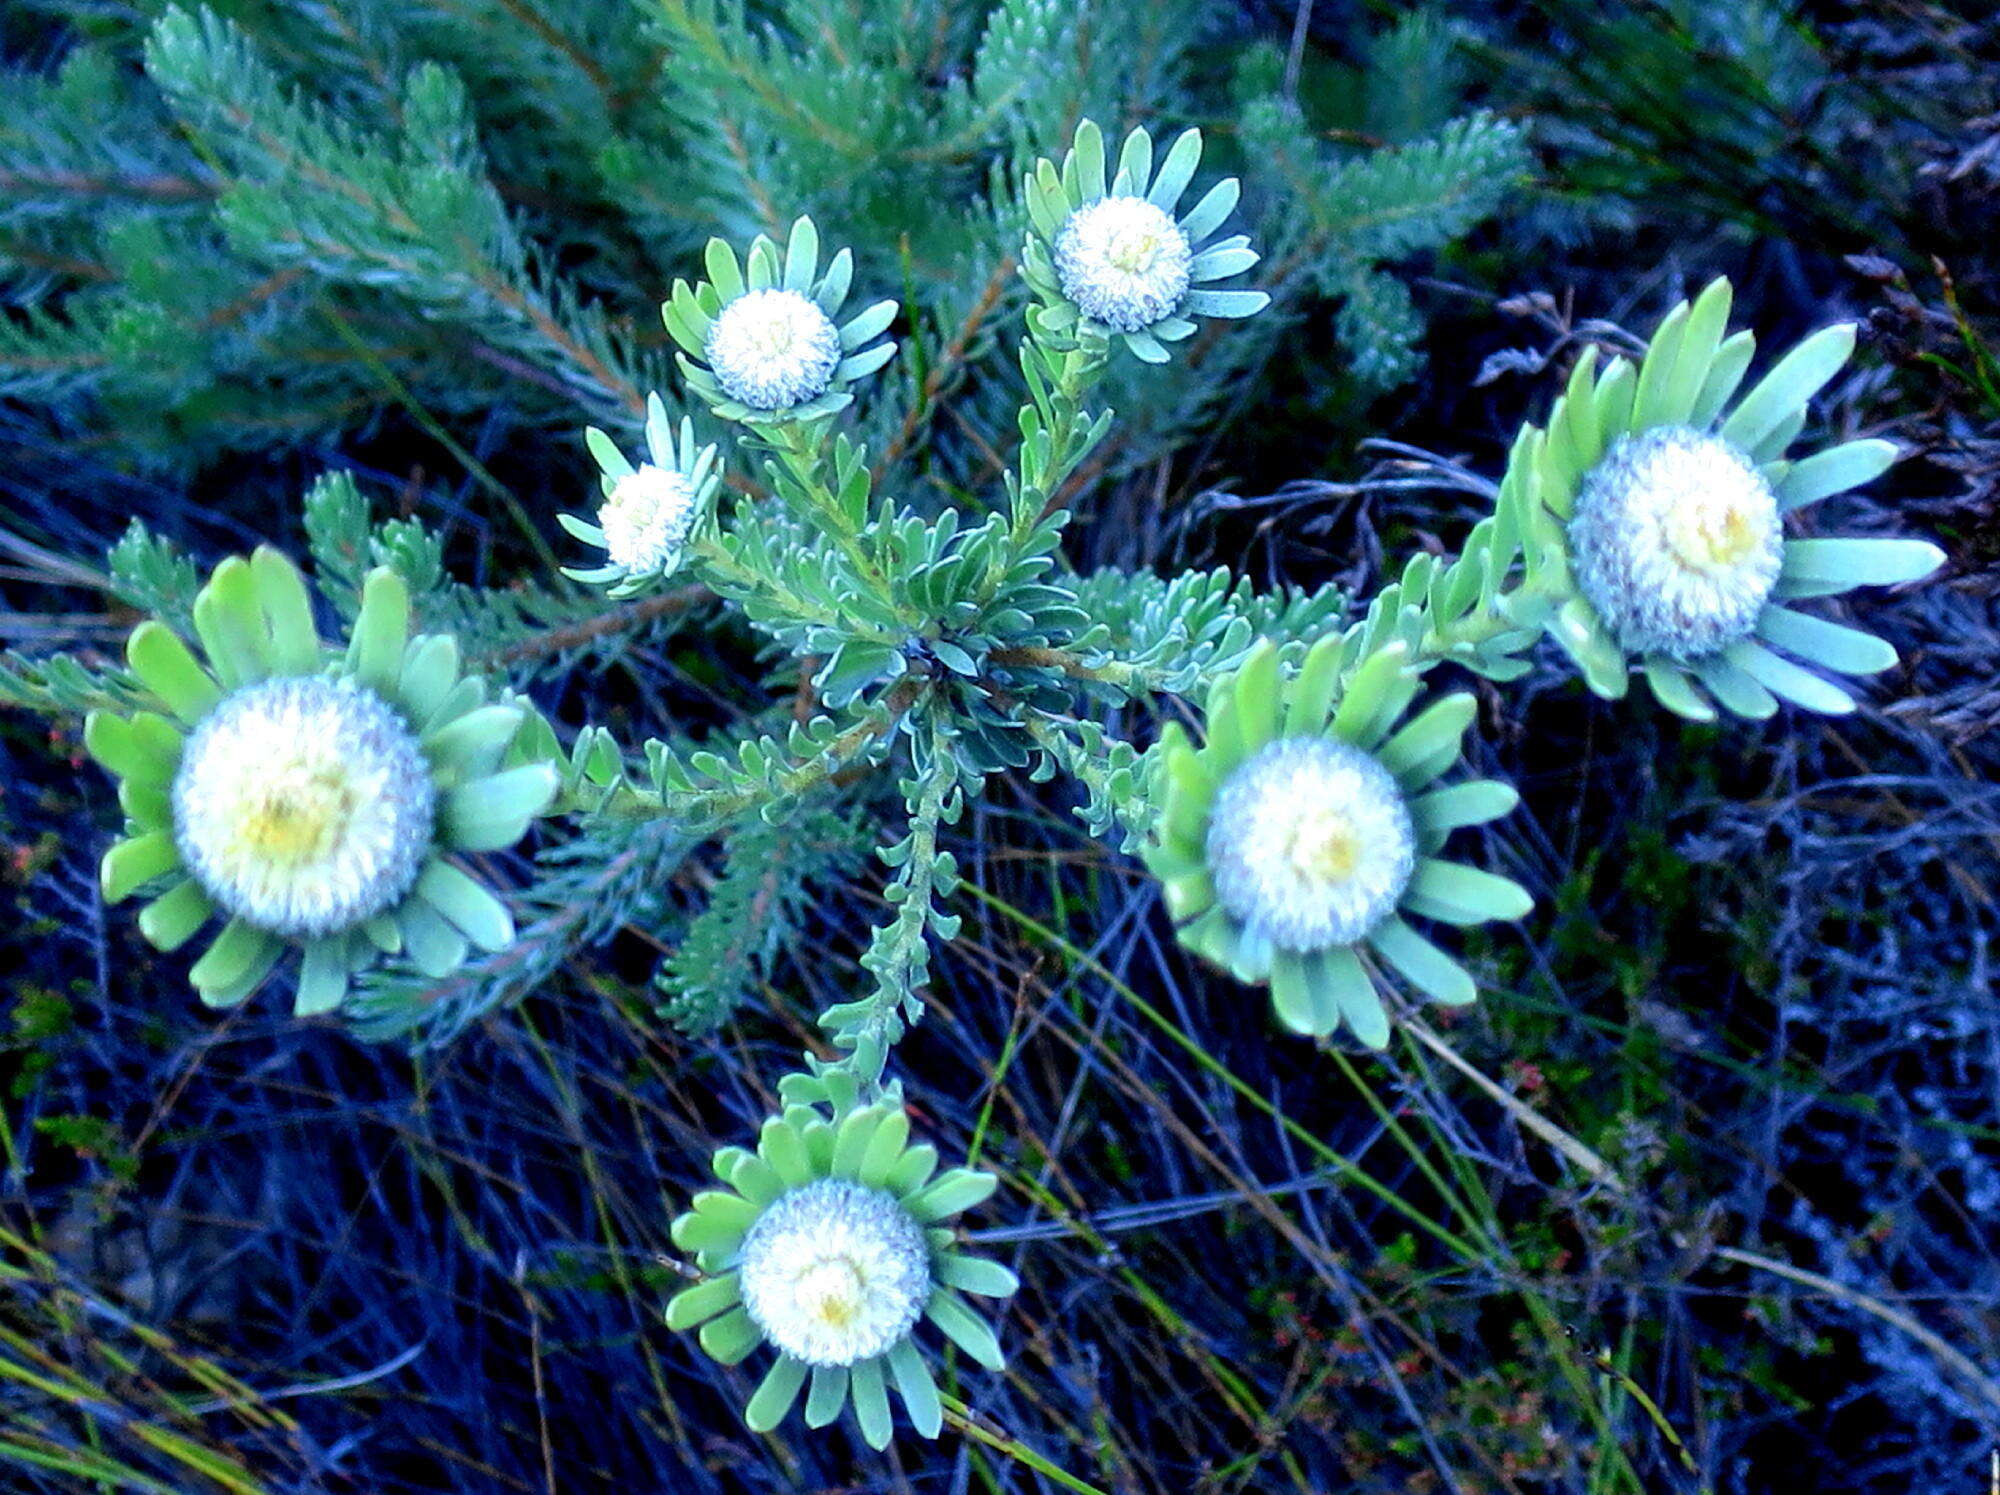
x=762 y=342
x=828 y=1244
x=1117 y=256
x=1666 y=500
x=308 y=798
x=650 y=511
x=1292 y=843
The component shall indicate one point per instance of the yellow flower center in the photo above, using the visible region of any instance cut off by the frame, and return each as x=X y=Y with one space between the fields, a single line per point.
x=834 y=1292
x=304 y=805
x=1123 y=262
x=1134 y=249
x=1310 y=843
x=773 y=348
x=834 y=1273
x=772 y=339
x=1676 y=542
x=297 y=817
x=1324 y=845
x=1716 y=537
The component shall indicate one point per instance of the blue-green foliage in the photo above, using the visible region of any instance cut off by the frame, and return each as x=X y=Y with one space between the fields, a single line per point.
x=245 y=227
x=281 y=220
x=768 y=874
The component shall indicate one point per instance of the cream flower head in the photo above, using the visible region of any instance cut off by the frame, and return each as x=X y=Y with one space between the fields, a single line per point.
x=827 y=1244
x=1310 y=842
x=303 y=805
x=1652 y=522
x=647 y=518
x=650 y=511
x=1295 y=844
x=835 y=1272
x=762 y=339
x=1123 y=262
x=1676 y=541
x=311 y=799
x=772 y=349
x=1110 y=253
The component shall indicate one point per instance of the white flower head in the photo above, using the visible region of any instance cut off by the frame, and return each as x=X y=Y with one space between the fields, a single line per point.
x=773 y=349
x=303 y=805
x=1310 y=843
x=1124 y=262
x=647 y=518
x=835 y=1273
x=1676 y=541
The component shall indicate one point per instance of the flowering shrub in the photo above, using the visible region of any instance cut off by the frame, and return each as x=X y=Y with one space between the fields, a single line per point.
x=326 y=799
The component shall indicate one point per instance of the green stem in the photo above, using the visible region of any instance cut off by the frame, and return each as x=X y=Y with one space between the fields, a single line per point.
x=1133 y=814
x=745 y=585
x=1476 y=627
x=1116 y=672
x=897 y=955
x=798 y=446
x=629 y=801
x=960 y=1416
x=1060 y=437
x=1490 y=616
